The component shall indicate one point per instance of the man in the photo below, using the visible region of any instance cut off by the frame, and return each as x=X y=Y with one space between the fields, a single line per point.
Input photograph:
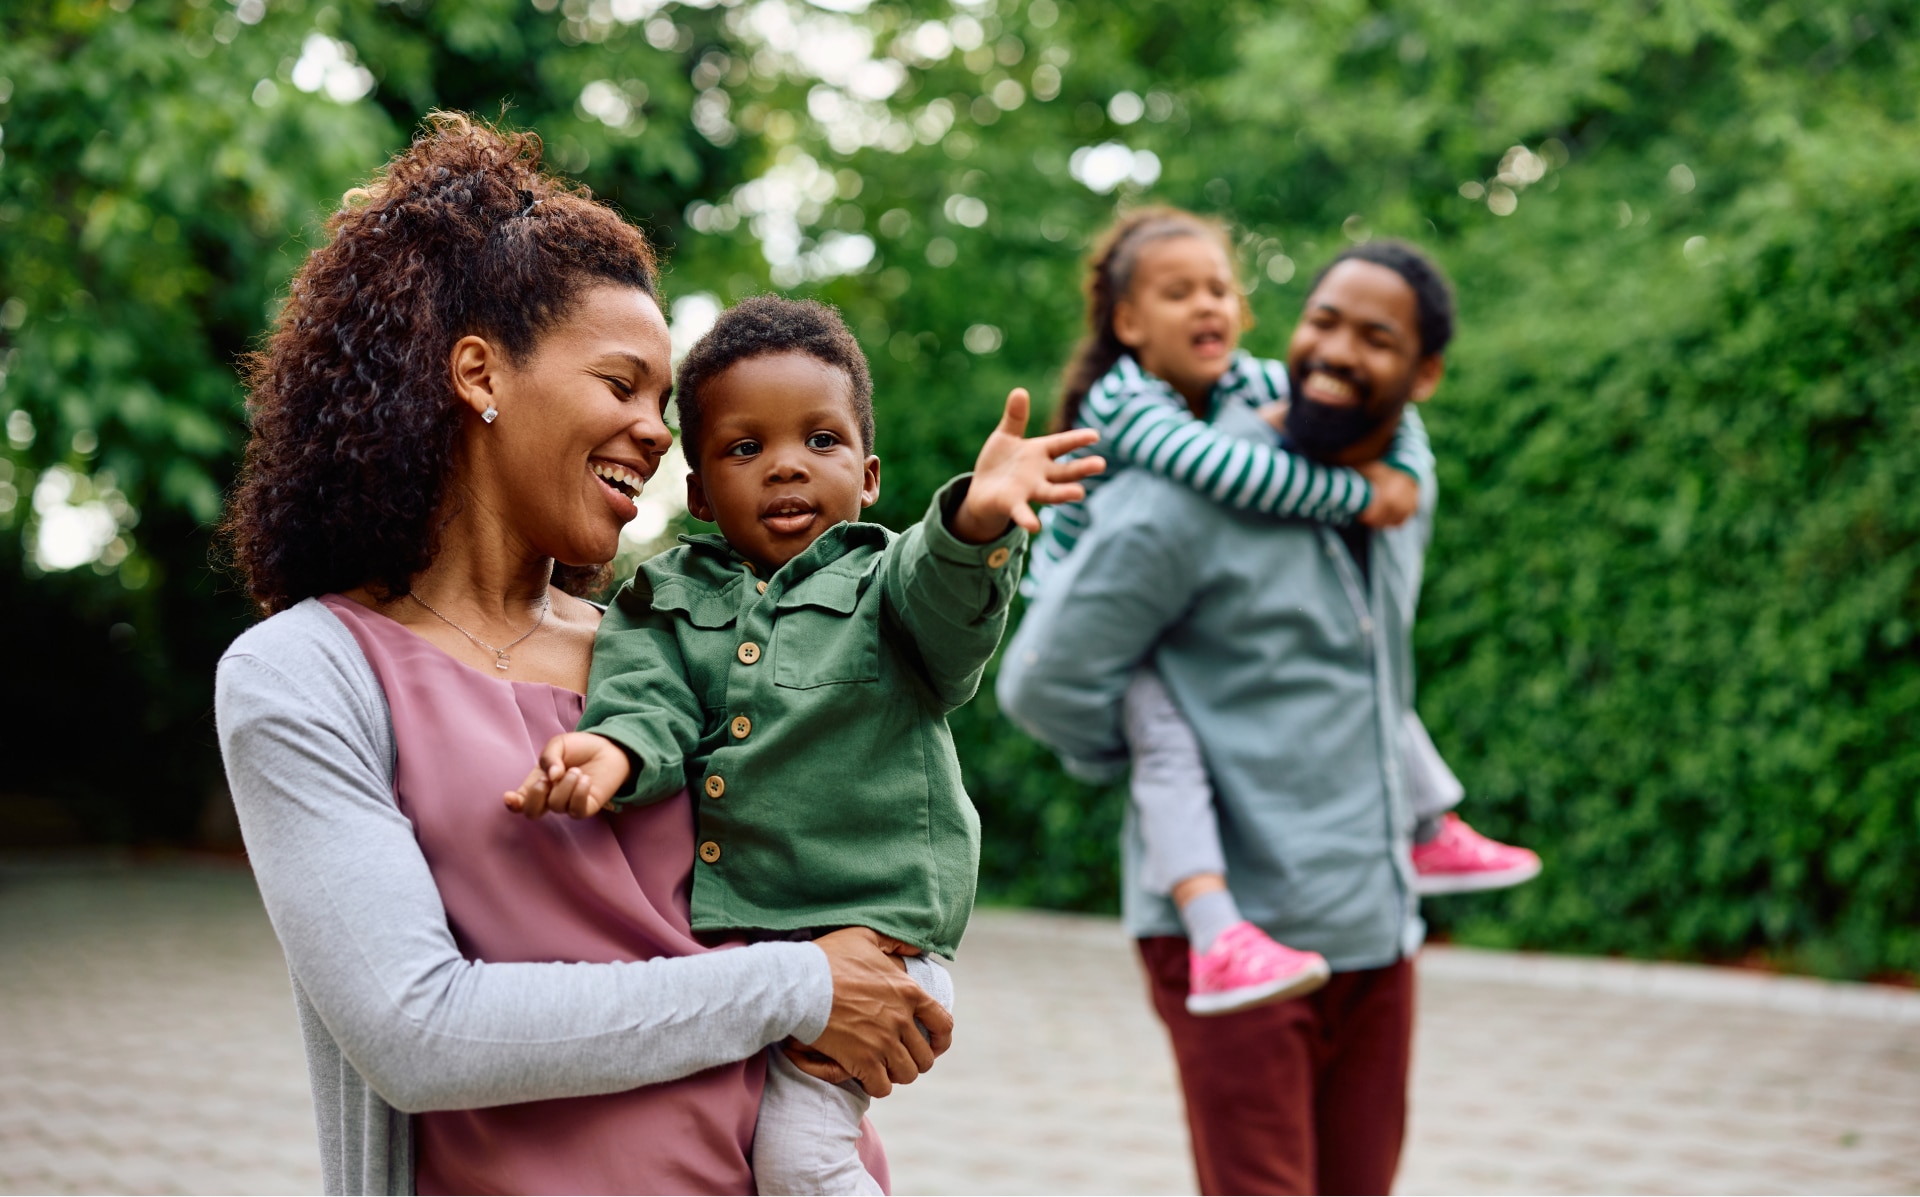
x=1288 y=647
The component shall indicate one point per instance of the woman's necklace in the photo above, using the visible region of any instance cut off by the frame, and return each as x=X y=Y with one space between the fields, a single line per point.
x=500 y=659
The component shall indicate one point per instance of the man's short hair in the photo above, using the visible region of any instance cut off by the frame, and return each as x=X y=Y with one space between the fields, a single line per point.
x=1432 y=293
x=764 y=325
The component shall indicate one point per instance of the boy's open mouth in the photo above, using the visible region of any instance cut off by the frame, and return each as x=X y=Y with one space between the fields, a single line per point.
x=788 y=515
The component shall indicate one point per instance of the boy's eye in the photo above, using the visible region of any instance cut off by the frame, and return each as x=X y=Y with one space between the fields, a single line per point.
x=822 y=440
x=743 y=449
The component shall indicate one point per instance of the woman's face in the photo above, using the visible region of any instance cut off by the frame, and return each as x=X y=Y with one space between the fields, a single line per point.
x=579 y=430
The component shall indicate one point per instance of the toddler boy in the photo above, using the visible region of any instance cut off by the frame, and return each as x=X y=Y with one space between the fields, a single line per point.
x=796 y=672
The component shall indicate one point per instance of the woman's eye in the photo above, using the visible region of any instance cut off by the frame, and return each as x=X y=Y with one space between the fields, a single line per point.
x=822 y=440
x=743 y=449
x=621 y=387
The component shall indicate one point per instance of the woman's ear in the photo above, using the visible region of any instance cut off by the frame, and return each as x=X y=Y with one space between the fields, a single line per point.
x=476 y=375
x=697 y=504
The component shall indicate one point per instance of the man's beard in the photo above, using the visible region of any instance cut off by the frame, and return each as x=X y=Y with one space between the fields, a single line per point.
x=1323 y=431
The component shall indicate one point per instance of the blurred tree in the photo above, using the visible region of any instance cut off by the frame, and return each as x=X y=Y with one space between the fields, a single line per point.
x=1669 y=634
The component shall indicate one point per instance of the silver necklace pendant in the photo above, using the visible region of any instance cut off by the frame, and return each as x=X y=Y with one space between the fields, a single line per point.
x=501 y=661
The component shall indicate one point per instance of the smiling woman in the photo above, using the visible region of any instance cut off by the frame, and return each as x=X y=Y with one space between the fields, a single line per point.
x=452 y=421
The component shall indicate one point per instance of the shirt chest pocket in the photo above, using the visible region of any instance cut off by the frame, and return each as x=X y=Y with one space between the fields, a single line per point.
x=708 y=612
x=821 y=637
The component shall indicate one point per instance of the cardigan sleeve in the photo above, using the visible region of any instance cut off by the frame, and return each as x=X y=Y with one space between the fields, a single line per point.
x=308 y=751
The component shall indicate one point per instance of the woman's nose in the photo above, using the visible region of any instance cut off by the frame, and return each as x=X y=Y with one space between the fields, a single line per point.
x=650 y=431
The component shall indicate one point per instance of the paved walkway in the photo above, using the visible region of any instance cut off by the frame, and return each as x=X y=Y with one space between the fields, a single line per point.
x=147 y=1044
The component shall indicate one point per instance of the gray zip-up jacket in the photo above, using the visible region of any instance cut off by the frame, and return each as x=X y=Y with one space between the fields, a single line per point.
x=1295 y=672
x=396 y=1020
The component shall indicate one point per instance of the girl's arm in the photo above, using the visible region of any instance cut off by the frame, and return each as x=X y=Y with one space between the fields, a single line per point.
x=1143 y=423
x=303 y=732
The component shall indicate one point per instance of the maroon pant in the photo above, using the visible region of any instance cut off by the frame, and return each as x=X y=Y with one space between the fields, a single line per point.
x=1306 y=1096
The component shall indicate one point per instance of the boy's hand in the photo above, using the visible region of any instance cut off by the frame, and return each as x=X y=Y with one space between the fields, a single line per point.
x=578 y=774
x=1013 y=472
x=1396 y=496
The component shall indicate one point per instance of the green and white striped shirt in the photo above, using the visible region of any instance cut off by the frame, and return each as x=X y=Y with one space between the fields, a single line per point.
x=1144 y=423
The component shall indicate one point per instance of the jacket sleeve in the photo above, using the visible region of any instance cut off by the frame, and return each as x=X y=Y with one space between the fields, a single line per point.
x=639 y=697
x=1132 y=576
x=357 y=911
x=948 y=598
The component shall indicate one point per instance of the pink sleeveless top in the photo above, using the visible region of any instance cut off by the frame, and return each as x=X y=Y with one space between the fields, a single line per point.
x=598 y=890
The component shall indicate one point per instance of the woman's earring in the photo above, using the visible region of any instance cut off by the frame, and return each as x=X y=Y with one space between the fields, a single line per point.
x=491 y=414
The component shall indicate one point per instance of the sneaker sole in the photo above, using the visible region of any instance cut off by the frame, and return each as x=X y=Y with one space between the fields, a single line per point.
x=1300 y=984
x=1428 y=886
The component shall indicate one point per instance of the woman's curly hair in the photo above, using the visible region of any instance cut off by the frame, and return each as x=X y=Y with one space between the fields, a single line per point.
x=355 y=423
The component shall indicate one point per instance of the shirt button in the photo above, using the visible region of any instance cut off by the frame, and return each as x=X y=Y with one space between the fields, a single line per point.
x=761 y=587
x=998 y=558
x=1366 y=627
x=749 y=653
x=710 y=852
x=716 y=786
x=741 y=726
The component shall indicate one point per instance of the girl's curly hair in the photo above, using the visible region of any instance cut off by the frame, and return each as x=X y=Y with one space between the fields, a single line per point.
x=1109 y=277
x=354 y=419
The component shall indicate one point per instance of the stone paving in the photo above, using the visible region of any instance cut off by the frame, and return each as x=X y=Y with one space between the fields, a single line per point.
x=147 y=1044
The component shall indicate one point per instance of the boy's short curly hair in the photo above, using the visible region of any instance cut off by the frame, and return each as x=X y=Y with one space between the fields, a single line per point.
x=768 y=324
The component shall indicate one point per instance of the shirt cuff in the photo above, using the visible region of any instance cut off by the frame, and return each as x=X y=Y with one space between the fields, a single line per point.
x=1002 y=555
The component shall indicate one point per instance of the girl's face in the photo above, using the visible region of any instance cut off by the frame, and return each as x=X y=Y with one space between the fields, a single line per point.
x=1181 y=315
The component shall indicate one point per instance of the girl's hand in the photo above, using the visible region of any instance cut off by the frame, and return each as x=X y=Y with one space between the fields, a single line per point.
x=578 y=775
x=870 y=1035
x=1013 y=472
x=1396 y=496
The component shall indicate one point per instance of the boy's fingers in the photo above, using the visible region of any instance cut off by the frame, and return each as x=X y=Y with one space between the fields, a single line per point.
x=1014 y=420
x=1024 y=516
x=1056 y=443
x=1073 y=471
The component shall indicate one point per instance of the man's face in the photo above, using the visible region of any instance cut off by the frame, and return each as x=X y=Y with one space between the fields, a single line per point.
x=1355 y=363
x=780 y=458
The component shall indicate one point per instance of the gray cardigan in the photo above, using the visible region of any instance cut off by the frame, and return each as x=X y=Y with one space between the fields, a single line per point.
x=396 y=1020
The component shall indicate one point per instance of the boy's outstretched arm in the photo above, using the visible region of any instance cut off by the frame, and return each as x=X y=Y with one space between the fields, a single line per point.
x=949 y=579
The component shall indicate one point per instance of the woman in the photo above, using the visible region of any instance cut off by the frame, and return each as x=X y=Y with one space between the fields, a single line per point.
x=450 y=423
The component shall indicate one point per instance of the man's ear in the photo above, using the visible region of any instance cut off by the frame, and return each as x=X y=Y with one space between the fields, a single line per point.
x=697 y=504
x=1127 y=326
x=475 y=366
x=1426 y=377
x=870 y=483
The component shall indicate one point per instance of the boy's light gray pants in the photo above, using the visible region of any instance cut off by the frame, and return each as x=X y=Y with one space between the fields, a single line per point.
x=808 y=1137
x=1173 y=798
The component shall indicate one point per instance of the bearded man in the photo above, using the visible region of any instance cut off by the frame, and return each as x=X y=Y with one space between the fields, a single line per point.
x=1288 y=647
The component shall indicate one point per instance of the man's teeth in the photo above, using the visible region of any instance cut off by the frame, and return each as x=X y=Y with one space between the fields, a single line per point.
x=1336 y=387
x=619 y=477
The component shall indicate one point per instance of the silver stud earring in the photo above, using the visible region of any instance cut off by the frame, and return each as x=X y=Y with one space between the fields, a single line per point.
x=491 y=414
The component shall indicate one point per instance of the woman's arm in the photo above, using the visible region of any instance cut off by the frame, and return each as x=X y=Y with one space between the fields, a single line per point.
x=360 y=917
x=1143 y=423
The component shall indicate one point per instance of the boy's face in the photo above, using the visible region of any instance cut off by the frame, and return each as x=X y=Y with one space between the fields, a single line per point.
x=780 y=458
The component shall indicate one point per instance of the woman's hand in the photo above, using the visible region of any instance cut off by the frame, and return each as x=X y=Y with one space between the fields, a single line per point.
x=578 y=775
x=870 y=1035
x=1396 y=496
x=1013 y=472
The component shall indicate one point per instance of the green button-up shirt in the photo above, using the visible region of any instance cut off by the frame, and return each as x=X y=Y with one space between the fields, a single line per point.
x=807 y=713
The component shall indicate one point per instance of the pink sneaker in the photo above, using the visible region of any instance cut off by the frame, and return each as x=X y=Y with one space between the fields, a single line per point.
x=1460 y=860
x=1247 y=967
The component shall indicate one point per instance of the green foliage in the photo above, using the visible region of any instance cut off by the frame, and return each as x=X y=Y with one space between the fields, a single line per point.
x=1669 y=634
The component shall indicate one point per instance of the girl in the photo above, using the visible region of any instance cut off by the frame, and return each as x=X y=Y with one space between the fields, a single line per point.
x=1160 y=361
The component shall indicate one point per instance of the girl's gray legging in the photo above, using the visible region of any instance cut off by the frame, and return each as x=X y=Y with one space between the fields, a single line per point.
x=1173 y=798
